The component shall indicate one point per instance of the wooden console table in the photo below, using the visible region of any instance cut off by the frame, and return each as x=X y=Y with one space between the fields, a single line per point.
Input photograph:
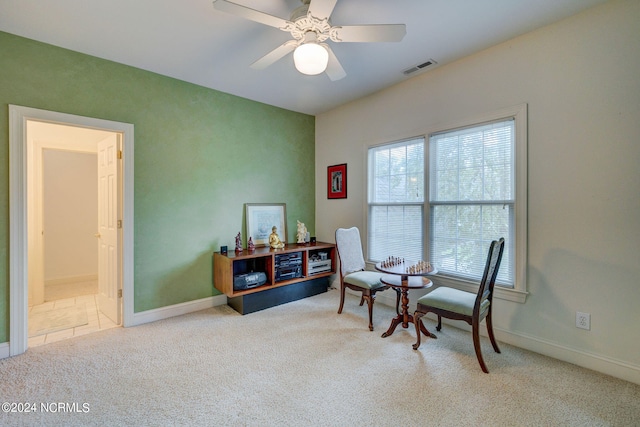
x=273 y=292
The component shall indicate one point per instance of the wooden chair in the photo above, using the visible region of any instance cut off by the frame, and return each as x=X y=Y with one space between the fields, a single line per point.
x=352 y=271
x=460 y=305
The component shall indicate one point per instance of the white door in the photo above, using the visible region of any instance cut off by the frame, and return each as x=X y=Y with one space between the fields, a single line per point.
x=109 y=283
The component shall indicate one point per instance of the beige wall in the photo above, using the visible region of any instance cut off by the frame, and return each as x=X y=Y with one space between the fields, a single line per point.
x=580 y=79
x=70 y=214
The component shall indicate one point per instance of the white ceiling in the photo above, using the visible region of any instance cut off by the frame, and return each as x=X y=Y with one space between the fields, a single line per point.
x=191 y=41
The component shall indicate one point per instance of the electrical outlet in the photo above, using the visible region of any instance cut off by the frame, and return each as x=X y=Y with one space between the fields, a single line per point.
x=583 y=320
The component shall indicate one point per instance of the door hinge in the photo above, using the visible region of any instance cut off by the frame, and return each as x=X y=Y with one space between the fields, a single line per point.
x=119 y=154
x=119 y=223
x=119 y=293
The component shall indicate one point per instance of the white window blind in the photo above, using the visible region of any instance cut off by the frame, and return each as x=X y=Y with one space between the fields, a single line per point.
x=472 y=199
x=396 y=200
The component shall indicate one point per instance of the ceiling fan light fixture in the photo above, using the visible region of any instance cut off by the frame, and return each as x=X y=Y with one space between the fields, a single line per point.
x=310 y=58
x=309 y=26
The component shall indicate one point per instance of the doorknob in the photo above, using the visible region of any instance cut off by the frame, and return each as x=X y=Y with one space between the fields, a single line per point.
x=98 y=235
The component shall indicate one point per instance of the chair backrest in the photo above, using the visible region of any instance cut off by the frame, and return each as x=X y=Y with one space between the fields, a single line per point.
x=349 y=249
x=494 y=257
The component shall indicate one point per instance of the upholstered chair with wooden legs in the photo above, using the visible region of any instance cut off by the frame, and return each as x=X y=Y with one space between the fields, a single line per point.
x=352 y=270
x=460 y=305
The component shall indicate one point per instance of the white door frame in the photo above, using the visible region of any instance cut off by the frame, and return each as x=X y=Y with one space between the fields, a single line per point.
x=18 y=255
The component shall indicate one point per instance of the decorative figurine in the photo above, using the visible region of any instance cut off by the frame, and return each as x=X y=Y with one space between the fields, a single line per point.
x=274 y=239
x=250 y=245
x=302 y=233
x=238 y=243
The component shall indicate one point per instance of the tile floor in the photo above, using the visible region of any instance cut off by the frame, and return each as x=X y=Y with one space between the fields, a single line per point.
x=97 y=320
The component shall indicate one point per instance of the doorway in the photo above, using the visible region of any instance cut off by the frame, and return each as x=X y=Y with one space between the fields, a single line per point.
x=63 y=203
x=106 y=140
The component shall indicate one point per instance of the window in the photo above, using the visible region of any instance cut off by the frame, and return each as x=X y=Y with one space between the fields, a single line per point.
x=477 y=193
x=477 y=182
x=472 y=198
x=396 y=200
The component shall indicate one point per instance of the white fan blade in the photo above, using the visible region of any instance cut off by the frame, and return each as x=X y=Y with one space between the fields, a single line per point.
x=274 y=55
x=369 y=33
x=251 y=14
x=334 y=69
x=322 y=9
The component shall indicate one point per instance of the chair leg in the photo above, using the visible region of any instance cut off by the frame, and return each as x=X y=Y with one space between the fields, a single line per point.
x=439 y=323
x=398 y=293
x=362 y=300
x=476 y=346
x=490 y=331
x=417 y=320
x=370 y=300
x=341 y=298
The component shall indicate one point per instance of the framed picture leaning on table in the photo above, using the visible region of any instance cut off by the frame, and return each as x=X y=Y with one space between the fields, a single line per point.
x=262 y=217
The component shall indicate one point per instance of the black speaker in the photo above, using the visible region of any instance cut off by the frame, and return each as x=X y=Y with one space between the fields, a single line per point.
x=313 y=240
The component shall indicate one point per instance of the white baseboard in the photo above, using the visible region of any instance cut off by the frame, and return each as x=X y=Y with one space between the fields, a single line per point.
x=177 y=310
x=4 y=350
x=603 y=364
x=71 y=279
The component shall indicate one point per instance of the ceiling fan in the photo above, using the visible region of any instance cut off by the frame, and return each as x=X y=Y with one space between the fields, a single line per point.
x=310 y=27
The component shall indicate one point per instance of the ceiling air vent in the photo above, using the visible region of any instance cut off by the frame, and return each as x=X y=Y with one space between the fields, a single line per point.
x=419 y=67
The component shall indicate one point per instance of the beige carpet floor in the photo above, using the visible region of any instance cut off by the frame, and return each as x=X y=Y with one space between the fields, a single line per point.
x=302 y=364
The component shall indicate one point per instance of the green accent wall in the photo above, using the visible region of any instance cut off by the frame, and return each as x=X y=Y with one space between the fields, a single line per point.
x=200 y=155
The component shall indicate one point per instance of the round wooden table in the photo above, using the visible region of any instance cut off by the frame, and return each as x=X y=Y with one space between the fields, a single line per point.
x=401 y=278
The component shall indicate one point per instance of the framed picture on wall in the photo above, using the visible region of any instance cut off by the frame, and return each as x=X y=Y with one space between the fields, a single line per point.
x=337 y=181
x=262 y=217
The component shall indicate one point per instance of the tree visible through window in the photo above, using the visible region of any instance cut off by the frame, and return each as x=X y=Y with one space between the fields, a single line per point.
x=472 y=198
